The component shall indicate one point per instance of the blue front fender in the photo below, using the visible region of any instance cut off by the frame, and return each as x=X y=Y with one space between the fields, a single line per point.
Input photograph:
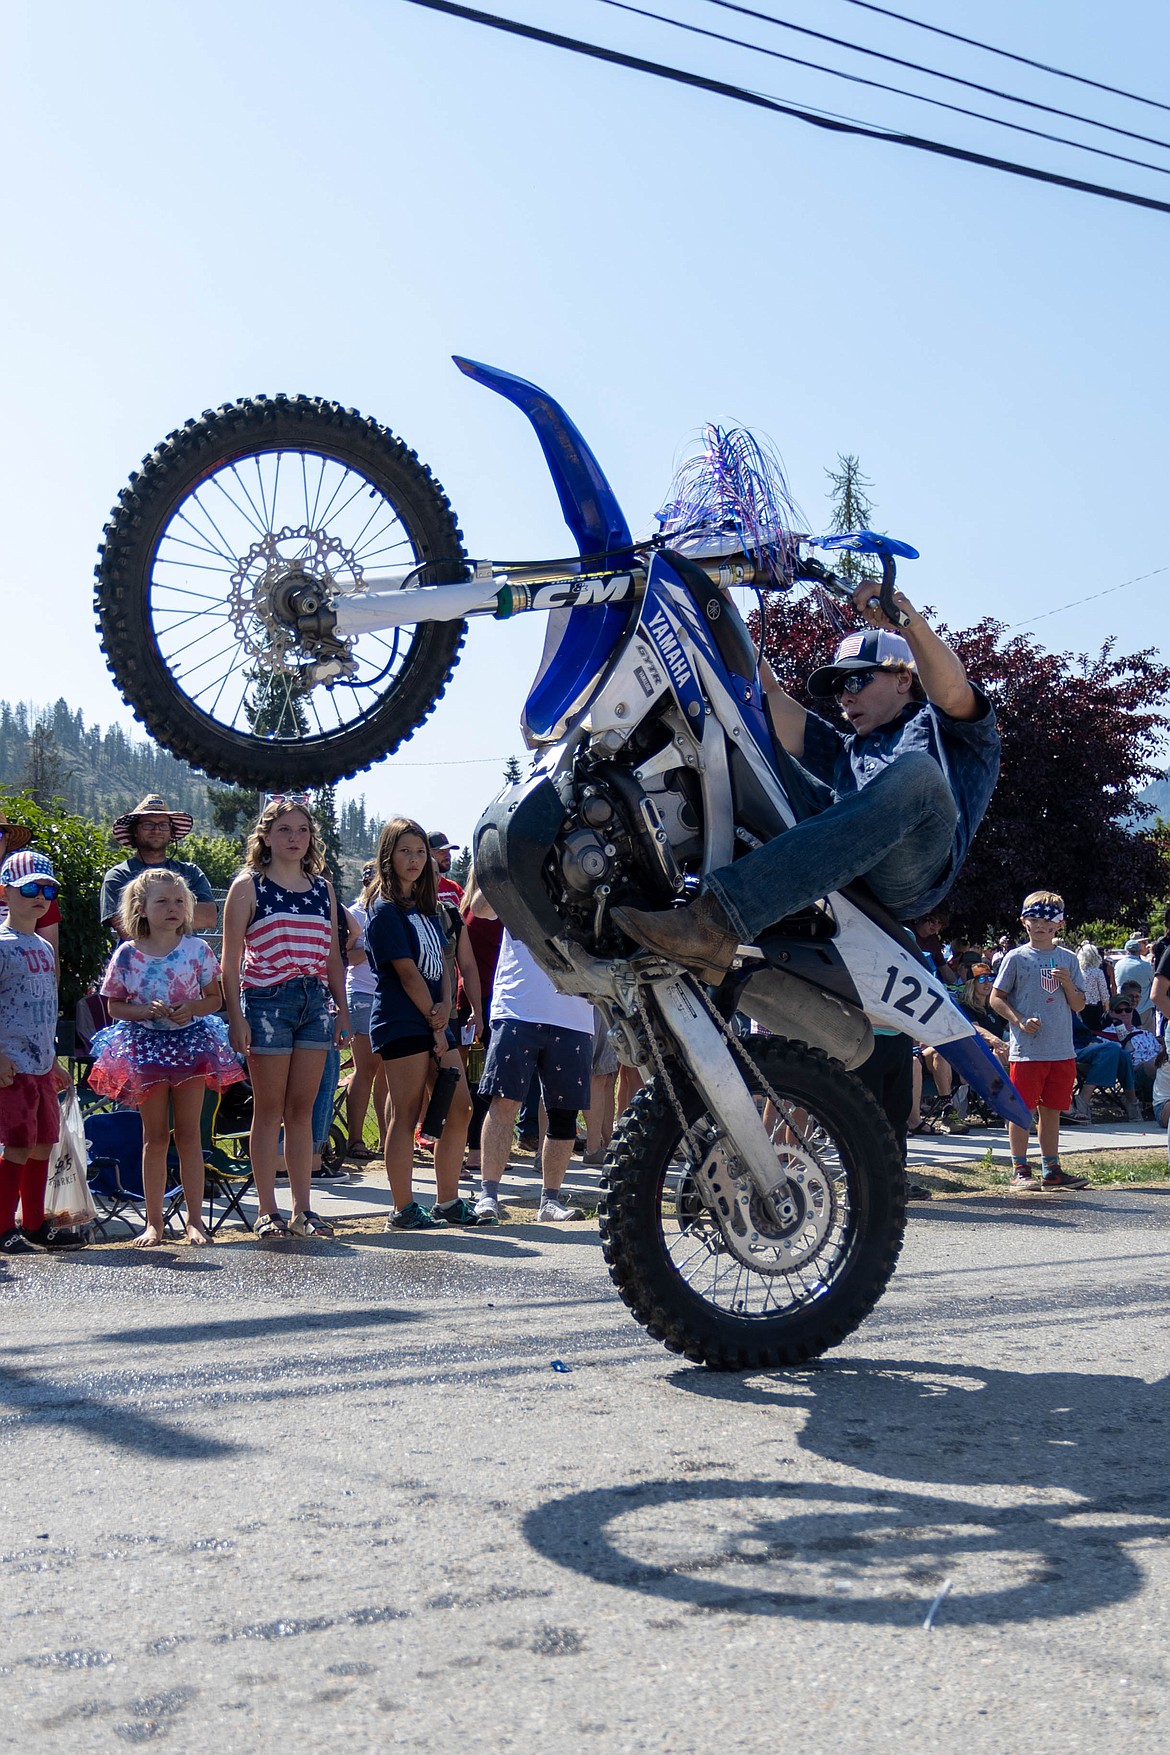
x=974 y=1062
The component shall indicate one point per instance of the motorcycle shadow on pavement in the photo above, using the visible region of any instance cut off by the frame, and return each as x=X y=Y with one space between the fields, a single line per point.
x=1039 y=1483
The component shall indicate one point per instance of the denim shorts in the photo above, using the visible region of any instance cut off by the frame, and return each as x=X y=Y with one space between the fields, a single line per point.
x=360 y=1007
x=293 y=1014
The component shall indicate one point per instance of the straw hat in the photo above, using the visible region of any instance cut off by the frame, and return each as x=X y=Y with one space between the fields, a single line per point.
x=17 y=836
x=152 y=806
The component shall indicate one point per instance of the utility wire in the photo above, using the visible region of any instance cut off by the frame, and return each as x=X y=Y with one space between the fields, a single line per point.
x=1076 y=603
x=1007 y=54
x=879 y=85
x=933 y=72
x=721 y=88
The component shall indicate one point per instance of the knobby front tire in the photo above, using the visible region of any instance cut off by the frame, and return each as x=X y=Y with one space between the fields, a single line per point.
x=222 y=505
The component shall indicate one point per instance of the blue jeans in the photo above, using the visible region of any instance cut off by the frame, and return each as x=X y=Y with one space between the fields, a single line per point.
x=1105 y=1064
x=323 y=1102
x=897 y=833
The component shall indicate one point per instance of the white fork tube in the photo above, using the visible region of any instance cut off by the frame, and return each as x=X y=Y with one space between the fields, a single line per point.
x=371 y=612
x=719 y=1080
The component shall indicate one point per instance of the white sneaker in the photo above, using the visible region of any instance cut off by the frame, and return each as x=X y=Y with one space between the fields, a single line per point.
x=554 y=1212
x=487 y=1210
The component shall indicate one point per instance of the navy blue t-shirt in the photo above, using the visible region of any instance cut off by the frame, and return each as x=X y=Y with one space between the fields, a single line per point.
x=393 y=933
x=967 y=751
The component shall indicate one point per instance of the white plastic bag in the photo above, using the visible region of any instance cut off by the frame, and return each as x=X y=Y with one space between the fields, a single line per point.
x=68 y=1201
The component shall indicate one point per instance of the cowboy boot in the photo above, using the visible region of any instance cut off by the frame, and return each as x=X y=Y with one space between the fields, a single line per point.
x=699 y=936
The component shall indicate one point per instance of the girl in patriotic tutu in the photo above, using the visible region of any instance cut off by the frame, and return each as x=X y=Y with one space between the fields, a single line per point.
x=164 y=1047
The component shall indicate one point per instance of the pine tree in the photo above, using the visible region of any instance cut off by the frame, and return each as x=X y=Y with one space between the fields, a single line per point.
x=852 y=510
x=512 y=771
x=325 y=812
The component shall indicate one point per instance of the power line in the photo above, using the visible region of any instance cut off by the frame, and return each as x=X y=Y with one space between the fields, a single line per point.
x=721 y=88
x=821 y=36
x=1008 y=55
x=879 y=85
x=1076 y=603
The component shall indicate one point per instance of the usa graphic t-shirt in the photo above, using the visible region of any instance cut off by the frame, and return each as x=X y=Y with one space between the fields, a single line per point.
x=28 y=1001
x=393 y=935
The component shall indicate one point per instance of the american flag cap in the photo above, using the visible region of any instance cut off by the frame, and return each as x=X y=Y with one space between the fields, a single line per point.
x=19 y=868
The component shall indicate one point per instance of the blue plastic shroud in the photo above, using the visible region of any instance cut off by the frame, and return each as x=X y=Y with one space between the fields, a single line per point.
x=599 y=527
x=866 y=542
x=973 y=1060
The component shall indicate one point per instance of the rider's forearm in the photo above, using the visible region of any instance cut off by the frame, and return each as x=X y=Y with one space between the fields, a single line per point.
x=940 y=671
x=788 y=716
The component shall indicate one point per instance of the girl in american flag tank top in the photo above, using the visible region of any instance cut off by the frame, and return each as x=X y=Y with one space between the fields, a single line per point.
x=281 y=963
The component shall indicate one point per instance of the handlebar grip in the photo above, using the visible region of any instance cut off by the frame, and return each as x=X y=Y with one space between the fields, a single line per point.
x=885 y=597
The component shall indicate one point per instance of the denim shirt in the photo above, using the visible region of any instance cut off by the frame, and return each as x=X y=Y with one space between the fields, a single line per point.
x=967 y=751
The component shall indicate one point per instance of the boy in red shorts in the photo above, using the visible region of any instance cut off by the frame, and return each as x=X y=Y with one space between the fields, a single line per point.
x=30 y=1078
x=1038 y=987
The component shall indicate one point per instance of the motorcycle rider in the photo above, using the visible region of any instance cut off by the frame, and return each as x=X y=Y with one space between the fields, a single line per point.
x=896 y=797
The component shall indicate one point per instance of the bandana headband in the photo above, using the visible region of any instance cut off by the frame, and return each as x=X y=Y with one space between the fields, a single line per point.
x=1043 y=911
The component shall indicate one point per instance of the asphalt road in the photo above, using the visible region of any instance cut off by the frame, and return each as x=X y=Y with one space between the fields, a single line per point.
x=335 y=1494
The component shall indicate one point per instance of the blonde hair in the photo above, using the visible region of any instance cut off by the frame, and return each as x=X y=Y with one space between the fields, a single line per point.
x=1050 y=897
x=132 y=908
x=471 y=891
x=258 y=853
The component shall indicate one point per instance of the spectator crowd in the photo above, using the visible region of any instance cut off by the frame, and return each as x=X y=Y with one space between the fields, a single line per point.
x=459 y=1045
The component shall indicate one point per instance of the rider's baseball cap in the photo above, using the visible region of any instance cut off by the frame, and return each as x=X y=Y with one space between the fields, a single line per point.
x=867 y=649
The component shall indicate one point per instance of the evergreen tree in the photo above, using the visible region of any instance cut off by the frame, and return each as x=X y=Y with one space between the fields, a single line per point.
x=852 y=510
x=325 y=812
x=512 y=771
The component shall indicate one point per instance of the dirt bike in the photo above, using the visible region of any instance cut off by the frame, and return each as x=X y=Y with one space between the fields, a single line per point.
x=282 y=595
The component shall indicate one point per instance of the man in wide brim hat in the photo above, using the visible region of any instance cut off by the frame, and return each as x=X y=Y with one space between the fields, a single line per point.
x=13 y=836
x=149 y=829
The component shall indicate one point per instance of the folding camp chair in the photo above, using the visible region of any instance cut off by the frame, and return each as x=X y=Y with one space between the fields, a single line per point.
x=224 y=1126
x=115 y=1170
x=91 y=1015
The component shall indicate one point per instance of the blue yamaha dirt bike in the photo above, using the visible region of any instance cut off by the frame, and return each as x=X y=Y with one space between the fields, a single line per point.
x=282 y=595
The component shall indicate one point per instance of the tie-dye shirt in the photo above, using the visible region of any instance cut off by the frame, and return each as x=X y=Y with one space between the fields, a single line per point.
x=177 y=979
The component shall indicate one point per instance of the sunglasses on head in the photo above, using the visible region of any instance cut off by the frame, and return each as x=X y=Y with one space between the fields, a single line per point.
x=855 y=682
x=33 y=888
x=287 y=798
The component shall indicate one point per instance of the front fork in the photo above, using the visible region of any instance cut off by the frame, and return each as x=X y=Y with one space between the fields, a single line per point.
x=719 y=1079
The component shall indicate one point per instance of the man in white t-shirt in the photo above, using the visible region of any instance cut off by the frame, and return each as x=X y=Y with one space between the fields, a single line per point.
x=534 y=1028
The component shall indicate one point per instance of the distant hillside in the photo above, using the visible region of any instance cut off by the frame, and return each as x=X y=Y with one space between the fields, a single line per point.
x=50 y=752
x=1159 y=796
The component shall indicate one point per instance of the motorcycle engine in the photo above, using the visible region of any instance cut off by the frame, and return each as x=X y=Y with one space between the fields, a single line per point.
x=618 y=845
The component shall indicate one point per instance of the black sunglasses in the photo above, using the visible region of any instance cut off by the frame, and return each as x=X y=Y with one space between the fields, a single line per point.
x=855 y=682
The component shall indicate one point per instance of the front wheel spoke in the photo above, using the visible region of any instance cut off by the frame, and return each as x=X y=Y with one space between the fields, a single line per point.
x=333 y=512
x=254 y=515
x=227 y=550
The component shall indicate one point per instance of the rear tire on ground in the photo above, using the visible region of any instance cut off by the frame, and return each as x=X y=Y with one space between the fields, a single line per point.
x=653 y=1229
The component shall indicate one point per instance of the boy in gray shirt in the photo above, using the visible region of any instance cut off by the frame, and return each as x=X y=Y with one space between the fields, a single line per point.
x=1038 y=987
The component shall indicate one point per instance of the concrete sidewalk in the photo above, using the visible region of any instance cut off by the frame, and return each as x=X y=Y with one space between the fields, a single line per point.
x=365 y=1194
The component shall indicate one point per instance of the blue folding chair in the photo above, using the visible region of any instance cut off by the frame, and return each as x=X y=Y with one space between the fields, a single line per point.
x=114 y=1175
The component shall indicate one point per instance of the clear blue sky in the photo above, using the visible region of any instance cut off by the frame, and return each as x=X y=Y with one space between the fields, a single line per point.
x=204 y=202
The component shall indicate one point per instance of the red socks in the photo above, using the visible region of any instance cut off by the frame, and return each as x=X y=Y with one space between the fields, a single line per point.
x=24 y=1183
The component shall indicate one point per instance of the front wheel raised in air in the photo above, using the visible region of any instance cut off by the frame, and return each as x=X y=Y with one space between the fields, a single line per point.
x=229 y=520
x=809 y=1282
